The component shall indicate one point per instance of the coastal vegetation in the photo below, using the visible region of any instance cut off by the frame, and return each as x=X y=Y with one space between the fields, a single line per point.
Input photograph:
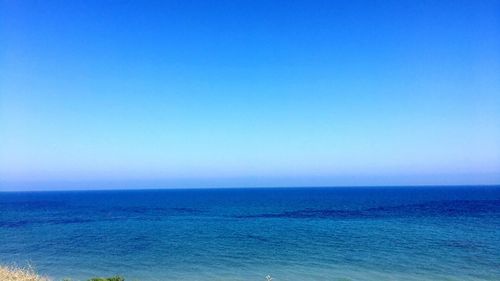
x=115 y=278
x=10 y=273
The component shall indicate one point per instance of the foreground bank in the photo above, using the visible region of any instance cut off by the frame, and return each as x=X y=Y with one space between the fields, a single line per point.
x=10 y=273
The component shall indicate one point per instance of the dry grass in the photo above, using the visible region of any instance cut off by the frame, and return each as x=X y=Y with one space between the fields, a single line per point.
x=19 y=274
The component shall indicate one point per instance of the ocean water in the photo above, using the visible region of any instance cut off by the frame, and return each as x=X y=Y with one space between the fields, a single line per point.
x=431 y=233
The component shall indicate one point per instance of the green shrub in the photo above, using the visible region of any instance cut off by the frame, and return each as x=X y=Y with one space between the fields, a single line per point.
x=115 y=278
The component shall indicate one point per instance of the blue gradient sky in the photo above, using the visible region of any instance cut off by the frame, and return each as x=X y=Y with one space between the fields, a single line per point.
x=128 y=94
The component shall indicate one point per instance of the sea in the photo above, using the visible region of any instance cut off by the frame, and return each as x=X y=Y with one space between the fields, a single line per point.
x=284 y=234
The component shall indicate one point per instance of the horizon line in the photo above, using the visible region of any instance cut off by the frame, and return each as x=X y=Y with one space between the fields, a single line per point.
x=258 y=187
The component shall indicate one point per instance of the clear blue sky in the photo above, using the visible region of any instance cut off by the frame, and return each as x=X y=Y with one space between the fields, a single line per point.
x=129 y=94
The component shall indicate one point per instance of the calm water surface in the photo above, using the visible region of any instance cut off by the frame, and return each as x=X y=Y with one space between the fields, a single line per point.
x=440 y=233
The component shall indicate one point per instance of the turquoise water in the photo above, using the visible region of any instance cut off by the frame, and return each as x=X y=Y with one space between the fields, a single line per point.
x=440 y=233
